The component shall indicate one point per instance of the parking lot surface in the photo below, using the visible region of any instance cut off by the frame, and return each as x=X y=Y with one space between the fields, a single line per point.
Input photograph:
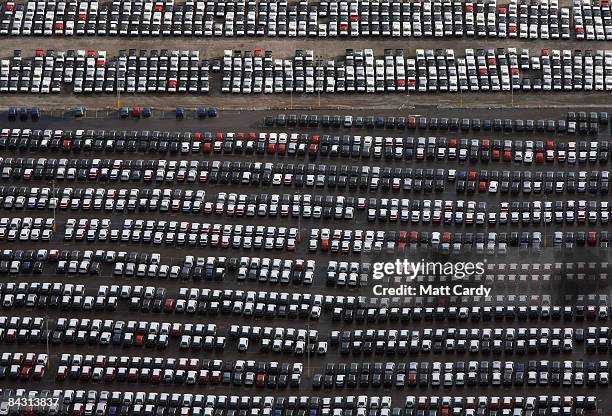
x=373 y=208
x=93 y=238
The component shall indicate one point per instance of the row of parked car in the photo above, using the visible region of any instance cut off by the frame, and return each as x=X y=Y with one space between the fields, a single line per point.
x=442 y=19
x=178 y=371
x=436 y=123
x=172 y=232
x=359 y=71
x=390 y=374
x=526 y=308
x=274 y=304
x=23 y=366
x=12 y=139
x=66 y=300
x=472 y=212
x=428 y=71
x=160 y=404
x=53 y=256
x=299 y=341
x=262 y=270
x=459 y=374
x=316 y=206
x=27 y=229
x=367 y=341
x=306 y=175
x=238 y=302
x=135 y=264
x=90 y=72
x=345 y=339
x=181 y=363
x=370 y=241
x=324 y=240
x=441 y=123
x=345 y=146
x=156 y=299
x=414 y=211
x=461 y=340
x=97 y=199
x=311 y=206
x=236 y=265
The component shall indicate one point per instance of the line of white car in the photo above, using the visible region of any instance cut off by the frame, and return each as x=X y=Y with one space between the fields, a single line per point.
x=89 y=71
x=184 y=232
x=360 y=71
x=101 y=402
x=449 y=18
x=27 y=229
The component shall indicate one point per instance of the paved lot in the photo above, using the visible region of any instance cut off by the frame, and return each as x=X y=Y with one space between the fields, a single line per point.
x=282 y=48
x=252 y=120
x=246 y=113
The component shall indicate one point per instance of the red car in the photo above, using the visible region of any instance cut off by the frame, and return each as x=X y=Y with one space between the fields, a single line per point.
x=446 y=237
x=412 y=378
x=169 y=305
x=109 y=374
x=78 y=409
x=156 y=375
x=85 y=373
x=325 y=245
x=414 y=237
x=133 y=374
x=25 y=373
x=203 y=377
x=313 y=149
x=539 y=157
x=62 y=373
x=402 y=240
